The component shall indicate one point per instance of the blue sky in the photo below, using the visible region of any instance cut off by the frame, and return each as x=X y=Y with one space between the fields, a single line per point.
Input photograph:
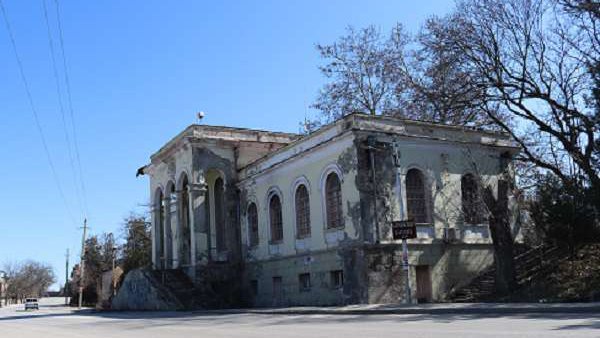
x=139 y=70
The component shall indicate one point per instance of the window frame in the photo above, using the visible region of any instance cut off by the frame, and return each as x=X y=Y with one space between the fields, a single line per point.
x=471 y=200
x=302 y=212
x=339 y=221
x=272 y=227
x=253 y=228
x=422 y=201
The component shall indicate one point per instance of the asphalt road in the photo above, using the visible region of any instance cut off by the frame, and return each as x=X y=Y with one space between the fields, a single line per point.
x=54 y=320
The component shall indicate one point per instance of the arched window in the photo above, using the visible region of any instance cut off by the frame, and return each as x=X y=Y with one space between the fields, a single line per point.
x=471 y=200
x=333 y=201
x=276 y=219
x=302 y=212
x=252 y=217
x=219 y=193
x=415 y=196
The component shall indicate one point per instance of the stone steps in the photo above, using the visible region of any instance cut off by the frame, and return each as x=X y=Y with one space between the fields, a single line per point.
x=531 y=264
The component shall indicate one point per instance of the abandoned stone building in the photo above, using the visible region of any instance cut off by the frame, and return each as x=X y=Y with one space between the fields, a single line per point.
x=272 y=219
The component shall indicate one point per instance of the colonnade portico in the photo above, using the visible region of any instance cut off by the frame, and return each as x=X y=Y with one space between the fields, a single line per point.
x=180 y=236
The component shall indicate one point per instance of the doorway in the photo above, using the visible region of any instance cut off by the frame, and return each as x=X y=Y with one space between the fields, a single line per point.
x=423 y=274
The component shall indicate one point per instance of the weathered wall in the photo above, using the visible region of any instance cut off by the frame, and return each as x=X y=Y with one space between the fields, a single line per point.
x=166 y=174
x=371 y=264
x=442 y=164
x=311 y=169
x=221 y=150
x=318 y=264
x=214 y=163
x=325 y=250
x=450 y=266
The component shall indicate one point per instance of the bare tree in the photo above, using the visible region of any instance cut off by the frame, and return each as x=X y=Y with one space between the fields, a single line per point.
x=28 y=279
x=421 y=78
x=535 y=59
x=364 y=69
x=438 y=82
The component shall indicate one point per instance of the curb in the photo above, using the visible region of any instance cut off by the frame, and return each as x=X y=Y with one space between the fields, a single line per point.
x=425 y=310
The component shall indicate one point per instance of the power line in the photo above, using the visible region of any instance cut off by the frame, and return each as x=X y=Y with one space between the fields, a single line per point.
x=34 y=111
x=70 y=101
x=61 y=106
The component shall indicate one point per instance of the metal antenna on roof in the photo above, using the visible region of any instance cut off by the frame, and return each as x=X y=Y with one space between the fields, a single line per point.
x=200 y=116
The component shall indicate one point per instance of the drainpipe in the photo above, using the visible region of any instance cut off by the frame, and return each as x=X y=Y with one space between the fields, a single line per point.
x=371 y=146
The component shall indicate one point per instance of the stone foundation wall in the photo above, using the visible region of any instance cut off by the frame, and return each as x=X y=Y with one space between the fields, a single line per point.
x=449 y=266
x=318 y=265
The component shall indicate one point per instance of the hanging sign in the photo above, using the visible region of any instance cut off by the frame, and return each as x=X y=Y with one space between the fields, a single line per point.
x=404 y=230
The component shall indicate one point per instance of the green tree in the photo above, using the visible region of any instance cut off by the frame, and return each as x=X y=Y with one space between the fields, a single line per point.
x=137 y=250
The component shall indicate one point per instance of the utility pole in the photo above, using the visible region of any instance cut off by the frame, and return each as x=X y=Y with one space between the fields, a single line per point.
x=405 y=265
x=406 y=268
x=113 y=251
x=66 y=289
x=114 y=281
x=82 y=264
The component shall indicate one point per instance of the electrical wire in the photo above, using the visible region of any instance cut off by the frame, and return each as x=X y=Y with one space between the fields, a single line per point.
x=71 y=111
x=62 y=109
x=34 y=111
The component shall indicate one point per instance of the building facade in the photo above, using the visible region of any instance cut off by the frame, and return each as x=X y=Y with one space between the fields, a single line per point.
x=275 y=219
x=3 y=287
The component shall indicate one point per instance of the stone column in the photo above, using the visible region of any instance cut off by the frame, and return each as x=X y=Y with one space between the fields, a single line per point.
x=197 y=192
x=179 y=234
x=166 y=223
x=153 y=235
x=173 y=239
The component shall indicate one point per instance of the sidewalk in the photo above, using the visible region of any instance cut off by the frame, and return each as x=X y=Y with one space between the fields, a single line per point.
x=439 y=308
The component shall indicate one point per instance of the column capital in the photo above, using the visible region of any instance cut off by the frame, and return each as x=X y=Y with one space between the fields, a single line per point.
x=199 y=188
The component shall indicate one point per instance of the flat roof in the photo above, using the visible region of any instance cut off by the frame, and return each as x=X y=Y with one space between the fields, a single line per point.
x=203 y=131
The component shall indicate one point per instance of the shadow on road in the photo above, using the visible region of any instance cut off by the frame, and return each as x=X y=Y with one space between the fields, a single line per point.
x=590 y=320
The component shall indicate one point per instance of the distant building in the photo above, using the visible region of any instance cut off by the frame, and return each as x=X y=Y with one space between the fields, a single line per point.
x=3 y=287
x=107 y=286
x=282 y=219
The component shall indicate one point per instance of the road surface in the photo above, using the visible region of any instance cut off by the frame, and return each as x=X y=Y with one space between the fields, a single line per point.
x=56 y=321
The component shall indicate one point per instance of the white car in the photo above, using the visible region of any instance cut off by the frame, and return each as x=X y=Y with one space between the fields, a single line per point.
x=31 y=303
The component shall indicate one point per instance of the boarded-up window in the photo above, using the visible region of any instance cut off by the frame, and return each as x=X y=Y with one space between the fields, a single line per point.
x=252 y=218
x=471 y=200
x=304 y=282
x=333 y=205
x=415 y=196
x=302 y=212
x=276 y=219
